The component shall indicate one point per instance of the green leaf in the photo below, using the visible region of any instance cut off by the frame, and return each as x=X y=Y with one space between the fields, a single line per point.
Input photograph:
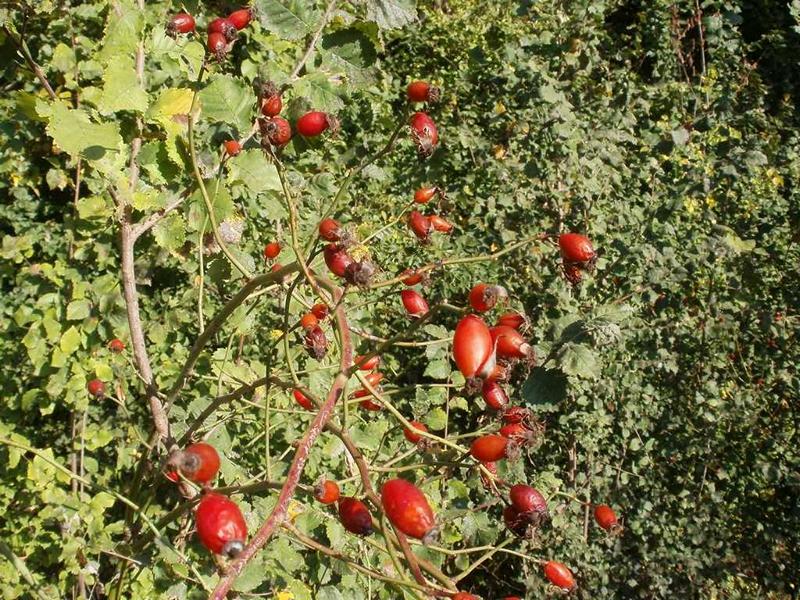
x=391 y=14
x=123 y=31
x=579 y=360
x=70 y=340
x=63 y=58
x=229 y=100
x=544 y=387
x=438 y=369
x=288 y=20
x=351 y=51
x=122 y=90
x=252 y=169
x=74 y=132
x=320 y=92
x=94 y=207
x=78 y=310
x=171 y=102
x=170 y=232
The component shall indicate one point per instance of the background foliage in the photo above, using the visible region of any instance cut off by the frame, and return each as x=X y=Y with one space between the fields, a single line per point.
x=665 y=130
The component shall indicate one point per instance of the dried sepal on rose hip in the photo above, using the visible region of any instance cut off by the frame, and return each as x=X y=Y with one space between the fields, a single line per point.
x=198 y=462
x=224 y=27
x=217 y=45
x=422 y=91
x=360 y=273
x=275 y=132
x=326 y=491
x=483 y=297
x=315 y=343
x=424 y=134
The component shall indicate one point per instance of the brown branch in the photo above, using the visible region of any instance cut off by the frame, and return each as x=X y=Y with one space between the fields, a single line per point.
x=26 y=54
x=278 y=513
x=151 y=221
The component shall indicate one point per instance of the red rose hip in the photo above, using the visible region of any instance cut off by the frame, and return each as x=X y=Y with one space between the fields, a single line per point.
x=327 y=491
x=220 y=525
x=472 y=345
x=489 y=448
x=414 y=303
x=411 y=433
x=575 y=248
x=559 y=575
x=407 y=508
x=355 y=516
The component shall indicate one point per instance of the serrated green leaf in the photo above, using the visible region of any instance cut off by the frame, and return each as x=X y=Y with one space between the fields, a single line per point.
x=319 y=91
x=77 y=310
x=229 y=100
x=252 y=169
x=121 y=89
x=94 y=207
x=579 y=360
x=352 y=52
x=75 y=133
x=123 y=30
x=289 y=20
x=170 y=232
x=70 y=340
x=391 y=14
x=171 y=102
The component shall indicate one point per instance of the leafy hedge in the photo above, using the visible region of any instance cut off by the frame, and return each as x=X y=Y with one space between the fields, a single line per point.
x=665 y=131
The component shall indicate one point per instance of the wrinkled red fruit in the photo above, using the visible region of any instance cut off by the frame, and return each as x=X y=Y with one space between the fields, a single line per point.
x=576 y=248
x=464 y=596
x=309 y=321
x=320 y=310
x=510 y=343
x=559 y=575
x=330 y=230
x=483 y=297
x=355 y=516
x=96 y=388
x=315 y=122
x=420 y=225
x=180 y=23
x=370 y=405
x=511 y=319
x=517 y=432
x=407 y=508
x=516 y=414
x=224 y=27
x=232 y=147
x=272 y=106
x=515 y=522
x=489 y=448
x=411 y=433
x=199 y=462
x=337 y=259
x=528 y=501
x=494 y=395
x=272 y=250
x=425 y=195
x=241 y=18
x=414 y=303
x=277 y=130
x=116 y=345
x=327 y=491
x=440 y=224
x=606 y=517
x=220 y=525
x=367 y=365
x=217 y=45
x=315 y=343
x=422 y=91
x=472 y=345
x=303 y=400
x=424 y=134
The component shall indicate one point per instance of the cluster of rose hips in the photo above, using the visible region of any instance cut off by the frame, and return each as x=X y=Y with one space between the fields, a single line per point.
x=482 y=353
x=222 y=31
